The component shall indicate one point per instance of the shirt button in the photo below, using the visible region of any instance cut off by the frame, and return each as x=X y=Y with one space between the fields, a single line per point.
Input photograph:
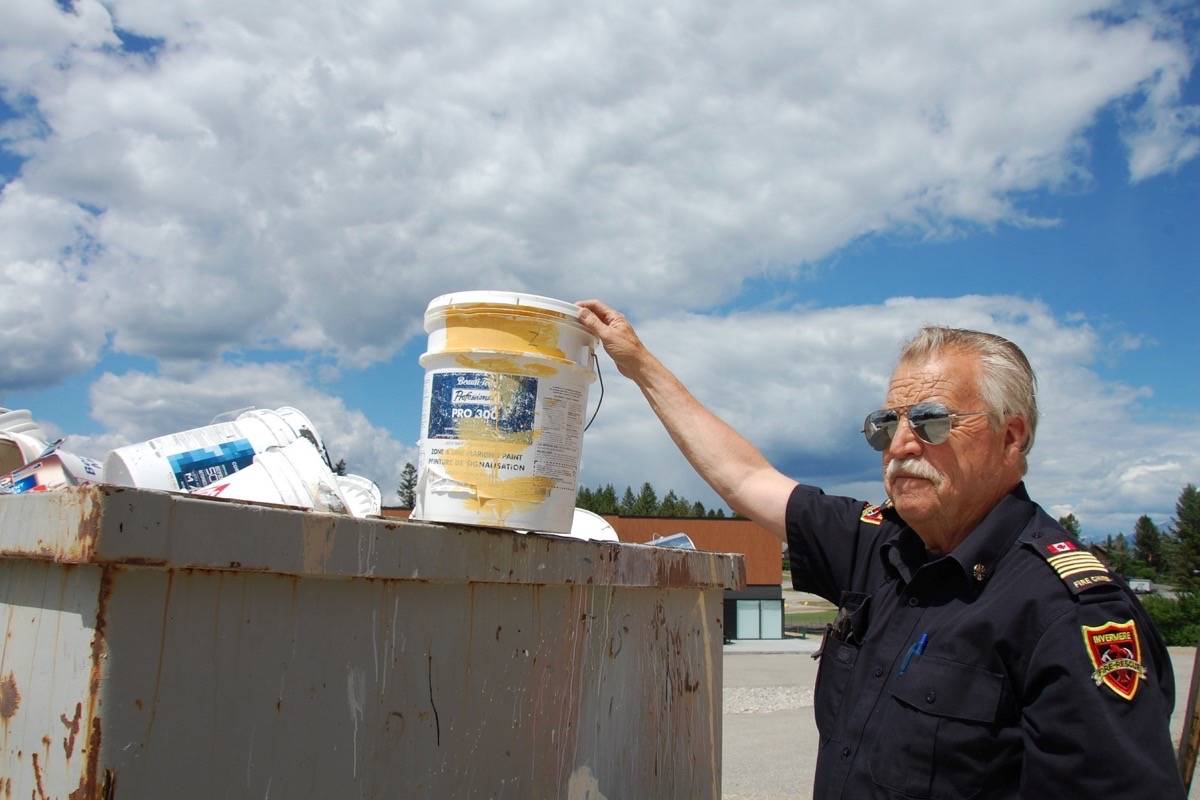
x=912 y=601
x=845 y=752
x=929 y=698
x=878 y=671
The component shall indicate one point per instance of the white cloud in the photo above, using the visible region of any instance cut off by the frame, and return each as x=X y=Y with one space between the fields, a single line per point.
x=798 y=382
x=309 y=180
x=136 y=406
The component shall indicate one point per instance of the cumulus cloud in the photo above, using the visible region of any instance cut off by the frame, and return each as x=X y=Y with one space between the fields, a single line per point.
x=798 y=382
x=136 y=406
x=309 y=180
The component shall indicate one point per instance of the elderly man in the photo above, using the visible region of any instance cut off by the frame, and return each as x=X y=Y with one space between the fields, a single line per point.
x=978 y=650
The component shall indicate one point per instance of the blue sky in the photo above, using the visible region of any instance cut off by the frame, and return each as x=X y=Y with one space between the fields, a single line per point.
x=214 y=212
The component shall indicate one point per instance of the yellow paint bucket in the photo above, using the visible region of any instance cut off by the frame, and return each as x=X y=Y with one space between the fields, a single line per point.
x=506 y=383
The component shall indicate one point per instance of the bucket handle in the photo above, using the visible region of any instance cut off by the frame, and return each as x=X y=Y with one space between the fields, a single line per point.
x=229 y=416
x=596 y=361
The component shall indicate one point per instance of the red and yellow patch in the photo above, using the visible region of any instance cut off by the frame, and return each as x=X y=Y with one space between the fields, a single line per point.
x=872 y=514
x=1116 y=654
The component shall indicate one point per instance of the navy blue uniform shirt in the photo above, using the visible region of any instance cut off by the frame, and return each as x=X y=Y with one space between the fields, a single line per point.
x=1014 y=666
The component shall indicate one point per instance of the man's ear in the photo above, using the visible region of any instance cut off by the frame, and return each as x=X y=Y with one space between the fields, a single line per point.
x=1016 y=433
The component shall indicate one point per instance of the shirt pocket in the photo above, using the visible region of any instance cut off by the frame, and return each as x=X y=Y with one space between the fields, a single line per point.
x=938 y=734
x=839 y=651
x=833 y=676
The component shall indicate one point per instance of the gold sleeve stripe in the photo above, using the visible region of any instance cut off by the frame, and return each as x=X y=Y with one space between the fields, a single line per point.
x=1066 y=573
x=1082 y=558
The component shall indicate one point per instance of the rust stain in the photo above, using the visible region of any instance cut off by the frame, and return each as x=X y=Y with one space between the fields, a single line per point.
x=87 y=781
x=72 y=730
x=37 y=777
x=10 y=698
x=89 y=524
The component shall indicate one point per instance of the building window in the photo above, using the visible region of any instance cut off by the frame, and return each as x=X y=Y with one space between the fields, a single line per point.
x=759 y=619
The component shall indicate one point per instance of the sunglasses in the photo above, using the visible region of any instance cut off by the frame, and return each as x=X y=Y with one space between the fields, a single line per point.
x=931 y=422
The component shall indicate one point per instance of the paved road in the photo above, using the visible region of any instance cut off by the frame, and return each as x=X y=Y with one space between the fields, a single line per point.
x=770 y=739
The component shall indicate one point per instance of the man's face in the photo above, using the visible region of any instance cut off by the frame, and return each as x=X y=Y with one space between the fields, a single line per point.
x=970 y=470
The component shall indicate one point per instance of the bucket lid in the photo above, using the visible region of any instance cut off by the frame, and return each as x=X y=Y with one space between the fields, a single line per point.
x=445 y=302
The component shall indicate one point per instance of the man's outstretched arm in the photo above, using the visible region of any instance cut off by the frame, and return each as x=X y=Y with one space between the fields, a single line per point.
x=732 y=466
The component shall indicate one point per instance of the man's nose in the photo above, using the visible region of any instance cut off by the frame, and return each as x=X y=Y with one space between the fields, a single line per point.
x=905 y=443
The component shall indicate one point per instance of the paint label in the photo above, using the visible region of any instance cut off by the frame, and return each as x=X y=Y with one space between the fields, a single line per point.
x=483 y=429
x=197 y=468
x=506 y=404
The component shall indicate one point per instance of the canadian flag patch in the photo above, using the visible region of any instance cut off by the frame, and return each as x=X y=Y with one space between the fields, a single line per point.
x=1060 y=547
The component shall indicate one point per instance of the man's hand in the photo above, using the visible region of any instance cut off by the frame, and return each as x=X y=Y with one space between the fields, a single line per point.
x=620 y=340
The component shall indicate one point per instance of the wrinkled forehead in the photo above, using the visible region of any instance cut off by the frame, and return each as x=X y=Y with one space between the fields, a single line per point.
x=948 y=377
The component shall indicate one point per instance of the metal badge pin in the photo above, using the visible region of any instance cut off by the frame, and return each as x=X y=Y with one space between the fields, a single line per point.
x=980 y=572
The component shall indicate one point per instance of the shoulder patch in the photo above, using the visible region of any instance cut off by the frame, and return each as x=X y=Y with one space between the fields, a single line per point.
x=1079 y=569
x=872 y=514
x=1116 y=654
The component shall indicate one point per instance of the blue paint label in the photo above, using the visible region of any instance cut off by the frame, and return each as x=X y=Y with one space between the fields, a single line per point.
x=505 y=403
x=196 y=469
x=27 y=484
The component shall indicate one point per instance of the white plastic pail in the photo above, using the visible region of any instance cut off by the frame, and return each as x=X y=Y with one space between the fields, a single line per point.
x=506 y=382
x=21 y=439
x=362 y=496
x=295 y=475
x=192 y=459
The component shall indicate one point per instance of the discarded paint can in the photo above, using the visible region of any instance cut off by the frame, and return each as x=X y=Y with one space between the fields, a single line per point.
x=192 y=459
x=57 y=469
x=21 y=439
x=294 y=475
x=506 y=386
x=362 y=496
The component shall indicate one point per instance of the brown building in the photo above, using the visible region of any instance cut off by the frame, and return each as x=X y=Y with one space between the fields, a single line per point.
x=755 y=612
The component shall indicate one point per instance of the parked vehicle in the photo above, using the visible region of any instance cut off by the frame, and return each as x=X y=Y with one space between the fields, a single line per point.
x=1141 y=586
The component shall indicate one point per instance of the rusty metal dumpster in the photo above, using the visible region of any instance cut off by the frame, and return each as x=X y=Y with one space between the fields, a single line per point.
x=159 y=645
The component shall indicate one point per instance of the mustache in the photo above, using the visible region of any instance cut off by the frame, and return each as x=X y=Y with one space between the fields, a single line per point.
x=915 y=467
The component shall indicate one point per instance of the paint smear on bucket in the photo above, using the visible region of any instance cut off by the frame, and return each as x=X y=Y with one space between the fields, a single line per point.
x=506 y=364
x=528 y=331
x=485 y=456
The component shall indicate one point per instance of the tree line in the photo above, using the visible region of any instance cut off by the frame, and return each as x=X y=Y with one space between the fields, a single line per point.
x=1170 y=554
x=602 y=500
x=645 y=503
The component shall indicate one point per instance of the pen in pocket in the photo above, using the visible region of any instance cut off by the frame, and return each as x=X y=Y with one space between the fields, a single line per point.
x=918 y=647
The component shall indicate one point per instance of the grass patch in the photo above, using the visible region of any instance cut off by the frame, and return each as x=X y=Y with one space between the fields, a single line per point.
x=814 y=619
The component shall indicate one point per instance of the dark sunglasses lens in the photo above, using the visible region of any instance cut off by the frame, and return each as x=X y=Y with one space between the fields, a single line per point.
x=879 y=428
x=931 y=422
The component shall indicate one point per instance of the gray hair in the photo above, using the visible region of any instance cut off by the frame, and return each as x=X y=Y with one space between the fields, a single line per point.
x=1006 y=381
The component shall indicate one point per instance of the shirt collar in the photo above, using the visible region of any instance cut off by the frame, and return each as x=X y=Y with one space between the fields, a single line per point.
x=976 y=556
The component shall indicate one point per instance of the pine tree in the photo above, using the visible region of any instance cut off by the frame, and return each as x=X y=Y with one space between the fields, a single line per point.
x=585 y=499
x=408 y=486
x=628 y=503
x=698 y=509
x=606 y=500
x=646 y=504
x=1071 y=525
x=1119 y=555
x=1147 y=544
x=1186 y=529
x=670 y=506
